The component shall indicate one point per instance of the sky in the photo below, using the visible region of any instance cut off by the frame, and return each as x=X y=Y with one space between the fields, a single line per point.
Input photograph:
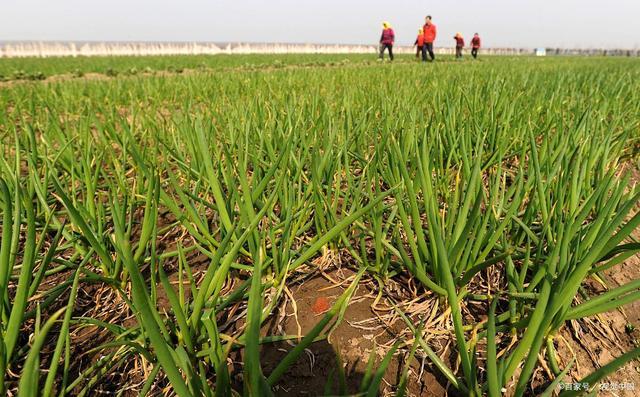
x=501 y=23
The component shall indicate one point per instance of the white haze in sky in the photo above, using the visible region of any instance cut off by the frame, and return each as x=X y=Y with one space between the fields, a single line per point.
x=501 y=23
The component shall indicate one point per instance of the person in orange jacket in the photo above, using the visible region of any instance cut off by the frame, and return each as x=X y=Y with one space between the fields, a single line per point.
x=387 y=39
x=475 y=45
x=459 y=45
x=429 y=30
x=419 y=42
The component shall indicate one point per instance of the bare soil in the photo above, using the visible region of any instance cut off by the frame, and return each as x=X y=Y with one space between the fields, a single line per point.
x=351 y=342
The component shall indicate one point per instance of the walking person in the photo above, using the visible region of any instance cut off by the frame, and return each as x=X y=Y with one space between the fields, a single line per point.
x=459 y=45
x=475 y=45
x=419 y=43
x=429 y=30
x=386 y=40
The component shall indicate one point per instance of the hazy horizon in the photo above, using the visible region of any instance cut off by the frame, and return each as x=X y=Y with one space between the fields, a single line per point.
x=501 y=23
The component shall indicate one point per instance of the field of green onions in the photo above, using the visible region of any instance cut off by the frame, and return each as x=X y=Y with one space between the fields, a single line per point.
x=12 y=69
x=161 y=234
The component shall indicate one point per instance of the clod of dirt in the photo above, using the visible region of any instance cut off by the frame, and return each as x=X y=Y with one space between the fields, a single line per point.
x=321 y=305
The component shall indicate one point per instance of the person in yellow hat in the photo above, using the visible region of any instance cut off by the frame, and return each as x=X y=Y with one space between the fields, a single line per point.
x=459 y=45
x=419 y=42
x=387 y=39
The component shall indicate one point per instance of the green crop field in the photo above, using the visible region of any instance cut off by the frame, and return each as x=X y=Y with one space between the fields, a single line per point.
x=40 y=68
x=201 y=231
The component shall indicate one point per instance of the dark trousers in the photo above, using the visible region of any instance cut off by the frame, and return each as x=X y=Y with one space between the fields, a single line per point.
x=384 y=47
x=458 y=52
x=418 y=51
x=428 y=48
x=474 y=52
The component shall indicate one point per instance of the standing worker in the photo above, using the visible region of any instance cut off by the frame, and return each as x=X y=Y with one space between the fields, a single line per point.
x=419 y=42
x=429 y=30
x=386 y=40
x=475 y=45
x=459 y=45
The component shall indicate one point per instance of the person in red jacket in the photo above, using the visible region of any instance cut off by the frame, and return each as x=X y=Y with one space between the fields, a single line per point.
x=386 y=40
x=475 y=45
x=429 y=37
x=459 y=45
x=419 y=42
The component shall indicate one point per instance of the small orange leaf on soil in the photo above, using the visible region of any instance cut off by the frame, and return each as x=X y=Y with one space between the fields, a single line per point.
x=321 y=305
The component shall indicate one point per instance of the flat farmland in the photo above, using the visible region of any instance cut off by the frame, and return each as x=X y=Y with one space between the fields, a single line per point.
x=319 y=225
